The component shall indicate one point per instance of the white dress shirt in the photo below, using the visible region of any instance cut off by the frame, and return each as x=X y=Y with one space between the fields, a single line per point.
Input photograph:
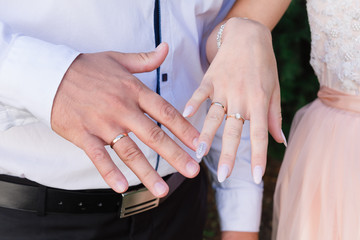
x=38 y=42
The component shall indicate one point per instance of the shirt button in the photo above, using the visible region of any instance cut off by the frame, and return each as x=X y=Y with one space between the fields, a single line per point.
x=164 y=77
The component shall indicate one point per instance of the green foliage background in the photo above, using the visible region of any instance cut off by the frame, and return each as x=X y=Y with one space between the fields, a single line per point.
x=291 y=39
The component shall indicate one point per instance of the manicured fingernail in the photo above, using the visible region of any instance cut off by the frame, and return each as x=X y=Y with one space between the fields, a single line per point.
x=192 y=168
x=160 y=188
x=257 y=174
x=120 y=187
x=283 y=136
x=201 y=149
x=223 y=172
x=195 y=142
x=187 y=111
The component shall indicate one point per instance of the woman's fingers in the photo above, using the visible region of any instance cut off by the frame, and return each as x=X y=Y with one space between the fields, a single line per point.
x=212 y=122
x=230 y=143
x=259 y=138
x=199 y=96
x=275 y=118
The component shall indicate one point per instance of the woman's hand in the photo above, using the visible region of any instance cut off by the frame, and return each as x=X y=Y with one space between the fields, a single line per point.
x=242 y=77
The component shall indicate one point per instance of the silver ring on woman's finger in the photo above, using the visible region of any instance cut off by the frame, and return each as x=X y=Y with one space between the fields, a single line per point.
x=236 y=116
x=118 y=137
x=219 y=104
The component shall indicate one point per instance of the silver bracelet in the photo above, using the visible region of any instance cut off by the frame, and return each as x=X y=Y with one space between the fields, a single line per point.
x=220 y=32
x=219 y=35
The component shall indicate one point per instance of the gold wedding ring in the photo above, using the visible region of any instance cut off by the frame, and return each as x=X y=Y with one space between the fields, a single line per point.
x=219 y=104
x=236 y=116
x=120 y=136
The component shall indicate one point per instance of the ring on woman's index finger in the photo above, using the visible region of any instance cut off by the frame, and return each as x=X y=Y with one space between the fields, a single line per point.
x=219 y=104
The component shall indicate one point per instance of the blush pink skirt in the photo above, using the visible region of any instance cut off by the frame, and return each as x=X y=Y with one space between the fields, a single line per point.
x=317 y=196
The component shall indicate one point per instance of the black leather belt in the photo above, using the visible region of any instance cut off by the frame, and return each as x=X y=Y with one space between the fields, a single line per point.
x=25 y=195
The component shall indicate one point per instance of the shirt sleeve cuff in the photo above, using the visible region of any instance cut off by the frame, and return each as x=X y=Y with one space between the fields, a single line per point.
x=31 y=73
x=243 y=214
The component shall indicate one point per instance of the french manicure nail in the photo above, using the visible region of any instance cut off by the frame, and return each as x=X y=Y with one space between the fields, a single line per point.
x=192 y=168
x=223 y=172
x=257 y=174
x=201 y=149
x=160 y=188
x=283 y=136
x=187 y=111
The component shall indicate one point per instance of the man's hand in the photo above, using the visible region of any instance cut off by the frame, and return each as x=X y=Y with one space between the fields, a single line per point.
x=99 y=98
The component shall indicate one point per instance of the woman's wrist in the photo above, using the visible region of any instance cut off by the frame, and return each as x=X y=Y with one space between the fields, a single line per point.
x=233 y=30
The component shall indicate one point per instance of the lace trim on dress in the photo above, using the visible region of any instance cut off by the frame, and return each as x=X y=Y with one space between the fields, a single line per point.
x=335 y=30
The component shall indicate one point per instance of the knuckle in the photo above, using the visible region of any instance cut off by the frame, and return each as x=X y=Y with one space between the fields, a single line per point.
x=260 y=134
x=258 y=158
x=260 y=98
x=97 y=154
x=261 y=95
x=178 y=157
x=208 y=78
x=215 y=117
x=132 y=84
x=131 y=153
x=147 y=174
x=117 y=95
x=232 y=132
x=205 y=136
x=168 y=112
x=109 y=174
x=188 y=130
x=113 y=100
x=145 y=59
x=156 y=136
x=228 y=157
x=202 y=91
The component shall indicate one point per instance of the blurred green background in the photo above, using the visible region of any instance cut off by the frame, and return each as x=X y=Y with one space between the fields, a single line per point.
x=291 y=39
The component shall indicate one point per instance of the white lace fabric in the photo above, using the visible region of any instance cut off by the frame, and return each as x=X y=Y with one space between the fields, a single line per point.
x=335 y=32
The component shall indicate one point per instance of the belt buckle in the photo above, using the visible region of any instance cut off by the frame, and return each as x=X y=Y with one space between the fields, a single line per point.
x=137 y=201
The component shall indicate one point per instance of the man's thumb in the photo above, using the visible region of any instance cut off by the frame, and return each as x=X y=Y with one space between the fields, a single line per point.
x=144 y=61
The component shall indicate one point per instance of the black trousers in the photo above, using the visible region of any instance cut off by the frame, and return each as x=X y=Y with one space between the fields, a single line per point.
x=181 y=216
